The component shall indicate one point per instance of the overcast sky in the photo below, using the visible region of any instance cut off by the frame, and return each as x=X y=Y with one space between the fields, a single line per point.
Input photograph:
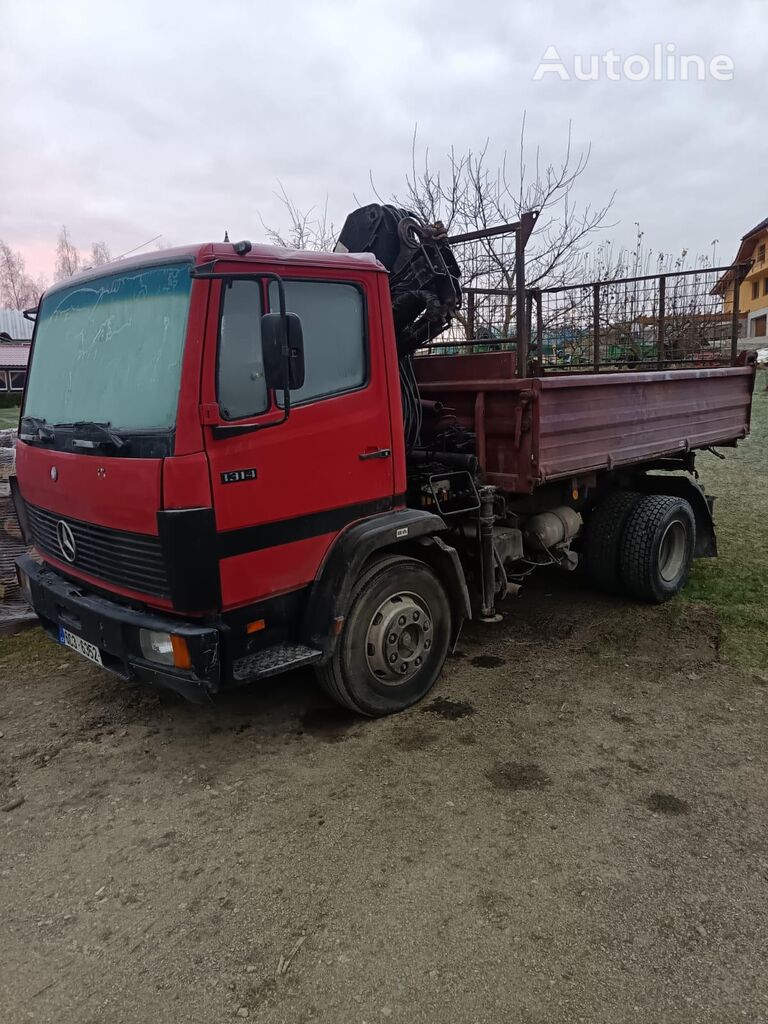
x=130 y=119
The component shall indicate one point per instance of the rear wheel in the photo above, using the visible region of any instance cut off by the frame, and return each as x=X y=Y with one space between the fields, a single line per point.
x=657 y=548
x=395 y=639
x=602 y=539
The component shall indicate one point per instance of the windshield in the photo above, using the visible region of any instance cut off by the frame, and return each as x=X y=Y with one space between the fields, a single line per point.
x=109 y=350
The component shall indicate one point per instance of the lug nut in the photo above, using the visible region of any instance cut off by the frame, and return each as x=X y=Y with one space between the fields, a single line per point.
x=391 y=638
x=427 y=644
x=417 y=661
x=392 y=658
x=403 y=668
x=415 y=616
x=426 y=624
x=401 y=620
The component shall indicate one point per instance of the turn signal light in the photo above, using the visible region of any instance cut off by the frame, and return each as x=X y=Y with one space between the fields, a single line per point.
x=181 y=656
x=256 y=626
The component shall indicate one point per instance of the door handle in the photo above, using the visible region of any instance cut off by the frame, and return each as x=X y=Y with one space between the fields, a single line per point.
x=378 y=453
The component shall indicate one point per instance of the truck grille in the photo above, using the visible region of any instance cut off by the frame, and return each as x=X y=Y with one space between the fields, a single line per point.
x=130 y=560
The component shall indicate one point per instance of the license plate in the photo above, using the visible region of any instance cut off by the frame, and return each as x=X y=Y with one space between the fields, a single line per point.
x=89 y=651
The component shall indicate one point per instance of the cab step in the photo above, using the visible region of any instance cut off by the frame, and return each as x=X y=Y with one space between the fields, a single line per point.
x=273 y=660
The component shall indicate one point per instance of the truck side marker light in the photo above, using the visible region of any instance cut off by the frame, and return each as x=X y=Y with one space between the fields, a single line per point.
x=256 y=626
x=181 y=658
x=338 y=625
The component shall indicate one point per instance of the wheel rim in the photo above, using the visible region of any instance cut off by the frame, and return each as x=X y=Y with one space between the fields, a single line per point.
x=399 y=638
x=672 y=551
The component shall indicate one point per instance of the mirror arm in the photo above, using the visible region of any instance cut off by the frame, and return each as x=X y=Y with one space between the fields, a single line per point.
x=286 y=353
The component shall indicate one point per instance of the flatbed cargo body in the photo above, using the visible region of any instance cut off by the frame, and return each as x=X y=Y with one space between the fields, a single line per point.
x=530 y=431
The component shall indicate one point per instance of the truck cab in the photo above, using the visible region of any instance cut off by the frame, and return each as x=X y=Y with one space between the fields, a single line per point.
x=184 y=508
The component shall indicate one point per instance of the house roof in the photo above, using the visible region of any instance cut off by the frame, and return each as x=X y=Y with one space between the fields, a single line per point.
x=744 y=255
x=12 y=323
x=13 y=357
x=760 y=227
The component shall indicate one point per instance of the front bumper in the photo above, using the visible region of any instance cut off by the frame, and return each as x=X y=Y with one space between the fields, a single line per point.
x=114 y=629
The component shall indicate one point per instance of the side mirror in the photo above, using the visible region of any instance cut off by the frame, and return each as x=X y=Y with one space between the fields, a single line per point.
x=272 y=348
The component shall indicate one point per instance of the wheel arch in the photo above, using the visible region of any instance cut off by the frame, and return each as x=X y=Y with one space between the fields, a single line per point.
x=405 y=532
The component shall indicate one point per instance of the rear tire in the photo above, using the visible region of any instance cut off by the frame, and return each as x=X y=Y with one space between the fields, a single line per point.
x=602 y=540
x=395 y=638
x=657 y=548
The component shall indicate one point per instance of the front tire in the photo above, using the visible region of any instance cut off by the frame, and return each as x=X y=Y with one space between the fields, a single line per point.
x=395 y=639
x=657 y=548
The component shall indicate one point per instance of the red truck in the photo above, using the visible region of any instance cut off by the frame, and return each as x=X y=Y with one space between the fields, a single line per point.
x=232 y=462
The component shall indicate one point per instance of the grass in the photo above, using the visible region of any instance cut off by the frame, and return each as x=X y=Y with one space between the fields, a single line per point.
x=9 y=417
x=736 y=583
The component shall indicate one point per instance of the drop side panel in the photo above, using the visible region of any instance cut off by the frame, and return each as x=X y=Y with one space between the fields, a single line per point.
x=602 y=421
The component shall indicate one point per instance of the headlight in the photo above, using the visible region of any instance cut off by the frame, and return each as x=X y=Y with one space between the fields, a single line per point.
x=164 y=648
x=156 y=646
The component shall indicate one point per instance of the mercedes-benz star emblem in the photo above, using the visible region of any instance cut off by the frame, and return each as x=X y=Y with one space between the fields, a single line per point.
x=66 y=540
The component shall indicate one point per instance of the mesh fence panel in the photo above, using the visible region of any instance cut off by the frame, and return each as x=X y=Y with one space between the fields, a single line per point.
x=676 y=319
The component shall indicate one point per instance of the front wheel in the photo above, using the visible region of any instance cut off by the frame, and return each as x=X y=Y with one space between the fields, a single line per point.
x=395 y=639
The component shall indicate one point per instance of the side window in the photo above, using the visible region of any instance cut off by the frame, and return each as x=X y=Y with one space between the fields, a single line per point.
x=333 y=325
x=241 y=388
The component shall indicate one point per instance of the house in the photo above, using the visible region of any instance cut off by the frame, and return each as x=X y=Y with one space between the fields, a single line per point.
x=15 y=339
x=753 y=291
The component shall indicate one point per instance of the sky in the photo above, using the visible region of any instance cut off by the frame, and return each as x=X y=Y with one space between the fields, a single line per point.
x=127 y=120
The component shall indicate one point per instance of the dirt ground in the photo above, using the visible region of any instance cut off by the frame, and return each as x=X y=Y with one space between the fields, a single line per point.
x=572 y=827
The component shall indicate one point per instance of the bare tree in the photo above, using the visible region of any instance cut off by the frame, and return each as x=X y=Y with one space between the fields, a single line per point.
x=68 y=258
x=100 y=254
x=18 y=290
x=470 y=190
x=306 y=229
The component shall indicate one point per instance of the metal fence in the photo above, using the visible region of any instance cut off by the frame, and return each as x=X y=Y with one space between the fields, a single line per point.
x=680 y=318
x=686 y=317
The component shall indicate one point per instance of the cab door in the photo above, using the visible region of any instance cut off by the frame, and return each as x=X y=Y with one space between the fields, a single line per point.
x=283 y=490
